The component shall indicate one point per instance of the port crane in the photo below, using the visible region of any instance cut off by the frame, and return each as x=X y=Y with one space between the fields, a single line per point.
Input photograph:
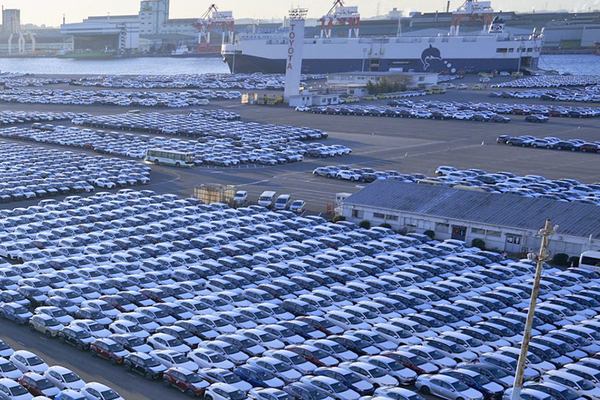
x=214 y=18
x=473 y=10
x=339 y=14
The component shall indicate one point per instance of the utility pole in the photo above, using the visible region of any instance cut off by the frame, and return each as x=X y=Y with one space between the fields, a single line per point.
x=542 y=255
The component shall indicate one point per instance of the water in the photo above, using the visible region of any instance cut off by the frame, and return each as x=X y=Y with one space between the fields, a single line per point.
x=578 y=64
x=117 y=66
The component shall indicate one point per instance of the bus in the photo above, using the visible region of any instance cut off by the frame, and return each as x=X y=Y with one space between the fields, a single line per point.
x=590 y=260
x=169 y=157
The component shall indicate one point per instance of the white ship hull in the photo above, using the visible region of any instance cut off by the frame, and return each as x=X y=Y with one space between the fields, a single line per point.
x=449 y=54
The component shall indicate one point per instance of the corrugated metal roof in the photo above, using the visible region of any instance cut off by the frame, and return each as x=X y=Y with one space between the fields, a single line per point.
x=507 y=210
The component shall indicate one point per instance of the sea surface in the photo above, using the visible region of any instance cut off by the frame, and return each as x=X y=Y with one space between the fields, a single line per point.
x=578 y=64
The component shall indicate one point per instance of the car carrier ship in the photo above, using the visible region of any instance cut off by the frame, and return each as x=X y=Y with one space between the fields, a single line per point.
x=492 y=49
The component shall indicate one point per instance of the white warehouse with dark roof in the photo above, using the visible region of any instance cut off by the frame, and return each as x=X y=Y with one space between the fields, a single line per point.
x=506 y=222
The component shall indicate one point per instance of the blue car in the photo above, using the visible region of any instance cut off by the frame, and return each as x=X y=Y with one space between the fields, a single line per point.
x=15 y=312
x=258 y=377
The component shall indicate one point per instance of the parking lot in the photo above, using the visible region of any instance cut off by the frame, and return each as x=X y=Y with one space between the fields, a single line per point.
x=249 y=291
x=329 y=293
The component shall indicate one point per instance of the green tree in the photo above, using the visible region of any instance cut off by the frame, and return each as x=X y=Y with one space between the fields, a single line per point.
x=365 y=224
x=478 y=243
x=430 y=233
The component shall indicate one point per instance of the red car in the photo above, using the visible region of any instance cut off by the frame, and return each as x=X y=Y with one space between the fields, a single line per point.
x=109 y=350
x=186 y=381
x=38 y=385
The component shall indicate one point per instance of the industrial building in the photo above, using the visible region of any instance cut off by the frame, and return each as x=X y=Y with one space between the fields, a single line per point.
x=357 y=80
x=505 y=222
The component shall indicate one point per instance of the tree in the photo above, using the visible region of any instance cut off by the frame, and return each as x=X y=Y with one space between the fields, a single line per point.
x=386 y=225
x=430 y=233
x=365 y=224
x=478 y=243
x=339 y=218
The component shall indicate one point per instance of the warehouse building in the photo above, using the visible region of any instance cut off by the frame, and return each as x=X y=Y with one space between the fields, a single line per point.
x=505 y=222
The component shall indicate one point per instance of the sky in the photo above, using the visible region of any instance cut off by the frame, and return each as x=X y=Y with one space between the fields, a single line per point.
x=50 y=12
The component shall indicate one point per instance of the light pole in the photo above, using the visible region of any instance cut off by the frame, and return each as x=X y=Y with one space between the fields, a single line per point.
x=518 y=383
x=364 y=57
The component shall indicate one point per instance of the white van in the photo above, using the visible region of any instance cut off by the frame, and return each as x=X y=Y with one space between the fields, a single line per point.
x=267 y=198
x=283 y=202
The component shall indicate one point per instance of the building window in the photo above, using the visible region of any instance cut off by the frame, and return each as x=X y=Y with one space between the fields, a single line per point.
x=529 y=49
x=501 y=50
x=411 y=222
x=391 y=217
x=354 y=213
x=511 y=50
x=442 y=227
x=378 y=215
x=478 y=231
x=421 y=78
x=494 y=233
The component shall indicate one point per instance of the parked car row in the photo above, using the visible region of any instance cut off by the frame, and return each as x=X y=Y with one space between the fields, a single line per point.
x=478 y=179
x=220 y=152
x=505 y=108
x=20 y=117
x=14 y=81
x=216 y=114
x=551 y=81
x=550 y=142
x=123 y=98
x=24 y=374
x=589 y=94
x=256 y=81
x=199 y=125
x=406 y=112
x=32 y=172
x=218 y=301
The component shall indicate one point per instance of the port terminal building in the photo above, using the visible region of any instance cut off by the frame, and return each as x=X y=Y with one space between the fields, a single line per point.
x=505 y=222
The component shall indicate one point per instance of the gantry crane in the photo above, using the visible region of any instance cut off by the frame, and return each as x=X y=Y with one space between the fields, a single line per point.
x=214 y=18
x=339 y=14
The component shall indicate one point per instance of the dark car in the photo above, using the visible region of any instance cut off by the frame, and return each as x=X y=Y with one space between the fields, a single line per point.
x=186 y=381
x=348 y=378
x=536 y=118
x=303 y=391
x=475 y=382
x=109 y=350
x=76 y=337
x=257 y=377
x=500 y=118
x=589 y=148
x=144 y=365
x=565 y=145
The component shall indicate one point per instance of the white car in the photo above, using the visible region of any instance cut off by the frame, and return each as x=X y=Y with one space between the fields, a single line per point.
x=296 y=361
x=277 y=367
x=404 y=375
x=92 y=327
x=446 y=387
x=98 y=391
x=64 y=378
x=581 y=385
x=172 y=359
x=163 y=341
x=348 y=175
x=27 y=361
x=11 y=390
x=331 y=387
x=207 y=358
x=370 y=372
x=8 y=370
x=223 y=391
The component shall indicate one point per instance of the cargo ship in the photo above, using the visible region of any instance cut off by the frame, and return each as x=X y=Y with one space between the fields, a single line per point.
x=87 y=55
x=491 y=49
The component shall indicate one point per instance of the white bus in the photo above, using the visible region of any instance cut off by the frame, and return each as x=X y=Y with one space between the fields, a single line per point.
x=590 y=260
x=169 y=157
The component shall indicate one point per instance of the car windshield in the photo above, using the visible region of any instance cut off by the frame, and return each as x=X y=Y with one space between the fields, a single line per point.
x=18 y=390
x=35 y=360
x=44 y=384
x=460 y=386
x=136 y=341
x=585 y=384
x=377 y=372
x=109 y=395
x=480 y=379
x=83 y=334
x=151 y=362
x=237 y=395
x=115 y=347
x=7 y=367
x=70 y=377
x=229 y=377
